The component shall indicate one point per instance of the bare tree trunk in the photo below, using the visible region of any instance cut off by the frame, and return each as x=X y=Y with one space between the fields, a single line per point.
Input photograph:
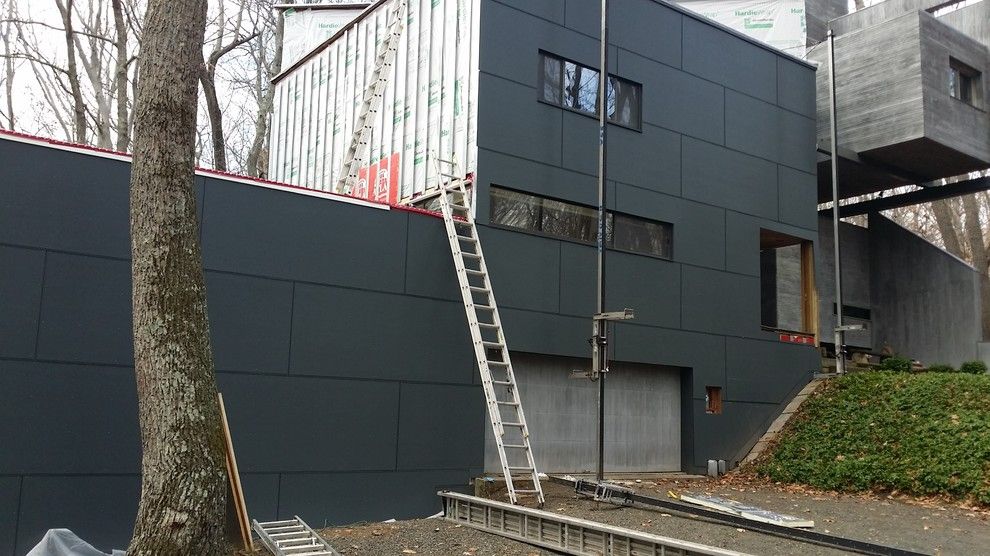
x=183 y=490
x=8 y=62
x=78 y=104
x=978 y=249
x=216 y=117
x=947 y=228
x=265 y=105
x=120 y=76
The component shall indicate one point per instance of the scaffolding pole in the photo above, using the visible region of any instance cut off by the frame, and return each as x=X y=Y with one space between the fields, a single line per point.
x=840 y=348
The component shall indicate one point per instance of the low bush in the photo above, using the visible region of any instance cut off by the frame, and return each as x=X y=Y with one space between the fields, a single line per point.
x=896 y=364
x=921 y=433
x=939 y=368
x=973 y=368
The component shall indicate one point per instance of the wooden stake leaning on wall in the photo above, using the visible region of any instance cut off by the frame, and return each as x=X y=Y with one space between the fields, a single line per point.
x=236 y=492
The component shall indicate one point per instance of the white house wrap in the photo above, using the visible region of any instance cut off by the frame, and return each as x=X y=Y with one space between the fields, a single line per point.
x=430 y=102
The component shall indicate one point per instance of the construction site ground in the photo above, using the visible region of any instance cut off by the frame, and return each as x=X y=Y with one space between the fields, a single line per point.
x=927 y=526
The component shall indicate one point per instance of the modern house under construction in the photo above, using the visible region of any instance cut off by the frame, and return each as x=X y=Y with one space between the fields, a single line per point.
x=339 y=329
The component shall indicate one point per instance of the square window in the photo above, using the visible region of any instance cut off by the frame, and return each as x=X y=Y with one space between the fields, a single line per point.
x=965 y=83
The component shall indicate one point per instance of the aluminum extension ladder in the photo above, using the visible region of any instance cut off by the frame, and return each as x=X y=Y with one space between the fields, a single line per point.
x=364 y=123
x=491 y=352
x=292 y=537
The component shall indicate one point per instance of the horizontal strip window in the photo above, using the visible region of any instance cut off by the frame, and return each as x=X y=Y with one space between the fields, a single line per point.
x=578 y=222
x=852 y=311
x=573 y=86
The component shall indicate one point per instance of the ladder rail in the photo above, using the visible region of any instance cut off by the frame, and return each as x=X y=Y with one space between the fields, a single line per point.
x=371 y=102
x=480 y=344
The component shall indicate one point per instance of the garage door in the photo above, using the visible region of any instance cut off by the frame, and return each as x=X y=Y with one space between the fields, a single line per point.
x=642 y=421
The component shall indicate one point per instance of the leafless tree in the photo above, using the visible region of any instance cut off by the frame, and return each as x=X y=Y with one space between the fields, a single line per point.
x=267 y=58
x=9 y=67
x=229 y=36
x=183 y=488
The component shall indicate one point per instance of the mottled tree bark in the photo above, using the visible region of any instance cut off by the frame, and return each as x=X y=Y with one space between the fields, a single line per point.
x=183 y=490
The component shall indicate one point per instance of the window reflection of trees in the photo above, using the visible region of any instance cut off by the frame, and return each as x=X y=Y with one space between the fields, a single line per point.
x=567 y=220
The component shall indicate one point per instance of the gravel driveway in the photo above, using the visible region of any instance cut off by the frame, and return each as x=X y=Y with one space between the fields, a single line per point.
x=923 y=526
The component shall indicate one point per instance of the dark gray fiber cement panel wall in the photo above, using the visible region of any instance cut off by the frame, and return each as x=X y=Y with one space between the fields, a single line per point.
x=727 y=147
x=345 y=365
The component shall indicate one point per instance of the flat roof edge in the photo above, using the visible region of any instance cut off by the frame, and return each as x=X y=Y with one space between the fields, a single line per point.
x=66 y=146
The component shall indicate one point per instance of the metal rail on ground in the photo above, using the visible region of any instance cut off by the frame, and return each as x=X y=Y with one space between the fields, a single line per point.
x=565 y=534
x=624 y=496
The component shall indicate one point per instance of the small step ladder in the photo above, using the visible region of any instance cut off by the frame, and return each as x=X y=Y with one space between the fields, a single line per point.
x=490 y=349
x=364 y=123
x=292 y=537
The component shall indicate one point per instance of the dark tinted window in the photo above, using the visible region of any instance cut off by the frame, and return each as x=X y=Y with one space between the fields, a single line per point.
x=575 y=86
x=579 y=222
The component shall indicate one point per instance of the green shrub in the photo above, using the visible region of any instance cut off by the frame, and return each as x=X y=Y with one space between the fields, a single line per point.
x=940 y=368
x=973 y=368
x=920 y=433
x=896 y=364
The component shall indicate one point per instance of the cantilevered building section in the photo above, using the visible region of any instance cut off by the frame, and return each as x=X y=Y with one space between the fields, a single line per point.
x=910 y=95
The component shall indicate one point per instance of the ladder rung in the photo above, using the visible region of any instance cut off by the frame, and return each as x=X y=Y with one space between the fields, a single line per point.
x=459 y=207
x=508 y=424
x=295 y=544
x=264 y=524
x=506 y=403
x=473 y=272
x=500 y=363
x=525 y=491
x=519 y=468
x=316 y=553
x=286 y=529
x=470 y=255
x=485 y=307
x=312 y=544
x=492 y=345
x=467 y=239
x=516 y=446
x=487 y=325
x=277 y=536
x=503 y=382
x=479 y=289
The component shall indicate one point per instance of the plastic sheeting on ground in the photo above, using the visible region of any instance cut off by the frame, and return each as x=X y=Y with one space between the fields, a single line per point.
x=63 y=542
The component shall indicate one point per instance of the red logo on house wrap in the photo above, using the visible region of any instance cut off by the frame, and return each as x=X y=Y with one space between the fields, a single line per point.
x=379 y=181
x=797 y=339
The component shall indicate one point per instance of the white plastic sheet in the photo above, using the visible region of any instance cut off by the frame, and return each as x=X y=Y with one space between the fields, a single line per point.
x=63 y=542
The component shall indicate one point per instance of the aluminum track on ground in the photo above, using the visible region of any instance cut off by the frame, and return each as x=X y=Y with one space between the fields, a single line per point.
x=623 y=496
x=292 y=537
x=562 y=533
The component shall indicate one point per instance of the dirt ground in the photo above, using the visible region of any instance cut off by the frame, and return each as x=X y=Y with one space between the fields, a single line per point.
x=927 y=526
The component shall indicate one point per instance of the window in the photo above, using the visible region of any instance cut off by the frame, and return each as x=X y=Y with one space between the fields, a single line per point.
x=575 y=87
x=580 y=223
x=964 y=82
x=788 y=299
